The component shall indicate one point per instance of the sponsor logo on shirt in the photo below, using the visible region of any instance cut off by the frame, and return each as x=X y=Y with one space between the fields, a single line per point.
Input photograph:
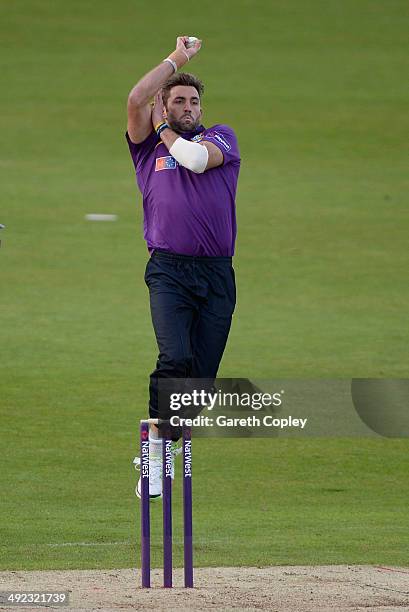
x=197 y=137
x=221 y=139
x=165 y=163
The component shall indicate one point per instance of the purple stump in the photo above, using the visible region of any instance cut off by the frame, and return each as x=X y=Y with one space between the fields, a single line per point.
x=145 y=517
x=167 y=511
x=187 y=505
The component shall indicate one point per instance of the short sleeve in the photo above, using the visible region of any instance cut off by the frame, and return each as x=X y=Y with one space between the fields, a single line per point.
x=140 y=151
x=225 y=139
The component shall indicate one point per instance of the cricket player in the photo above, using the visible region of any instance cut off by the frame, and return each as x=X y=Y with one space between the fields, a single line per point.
x=187 y=175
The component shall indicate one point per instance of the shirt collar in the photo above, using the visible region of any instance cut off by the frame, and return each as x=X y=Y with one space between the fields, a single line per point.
x=191 y=134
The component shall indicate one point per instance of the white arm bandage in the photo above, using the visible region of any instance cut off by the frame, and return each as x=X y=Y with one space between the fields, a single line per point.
x=190 y=155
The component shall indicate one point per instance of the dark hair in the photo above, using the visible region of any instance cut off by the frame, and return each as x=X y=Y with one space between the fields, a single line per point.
x=181 y=78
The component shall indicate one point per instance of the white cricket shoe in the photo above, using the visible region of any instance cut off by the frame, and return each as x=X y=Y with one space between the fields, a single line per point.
x=155 y=477
x=155 y=471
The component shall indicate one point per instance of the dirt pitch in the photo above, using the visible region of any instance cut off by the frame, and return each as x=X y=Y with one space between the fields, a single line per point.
x=281 y=589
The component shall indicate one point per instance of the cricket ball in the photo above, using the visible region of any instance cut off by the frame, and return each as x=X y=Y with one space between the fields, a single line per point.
x=191 y=41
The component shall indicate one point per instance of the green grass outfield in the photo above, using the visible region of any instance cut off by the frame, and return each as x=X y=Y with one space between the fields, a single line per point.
x=318 y=94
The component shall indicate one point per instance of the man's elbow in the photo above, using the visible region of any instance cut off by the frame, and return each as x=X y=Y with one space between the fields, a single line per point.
x=198 y=166
x=190 y=155
x=137 y=98
x=198 y=161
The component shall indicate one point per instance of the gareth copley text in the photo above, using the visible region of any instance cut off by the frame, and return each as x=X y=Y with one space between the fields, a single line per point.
x=250 y=421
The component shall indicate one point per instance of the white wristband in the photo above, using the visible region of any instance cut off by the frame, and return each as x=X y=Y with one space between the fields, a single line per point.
x=172 y=63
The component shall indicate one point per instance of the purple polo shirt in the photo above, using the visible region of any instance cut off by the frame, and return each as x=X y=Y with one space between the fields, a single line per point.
x=184 y=212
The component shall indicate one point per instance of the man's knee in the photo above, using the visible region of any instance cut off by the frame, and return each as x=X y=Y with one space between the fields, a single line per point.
x=176 y=365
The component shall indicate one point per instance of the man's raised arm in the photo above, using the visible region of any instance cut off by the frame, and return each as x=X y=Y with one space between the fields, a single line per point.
x=139 y=107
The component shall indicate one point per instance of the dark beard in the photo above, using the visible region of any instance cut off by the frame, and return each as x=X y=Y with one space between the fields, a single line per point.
x=179 y=128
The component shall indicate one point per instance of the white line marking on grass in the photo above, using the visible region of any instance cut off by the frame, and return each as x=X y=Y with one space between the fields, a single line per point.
x=199 y=542
x=61 y=544
x=100 y=217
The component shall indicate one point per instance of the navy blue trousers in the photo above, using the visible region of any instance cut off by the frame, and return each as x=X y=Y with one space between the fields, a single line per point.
x=192 y=300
